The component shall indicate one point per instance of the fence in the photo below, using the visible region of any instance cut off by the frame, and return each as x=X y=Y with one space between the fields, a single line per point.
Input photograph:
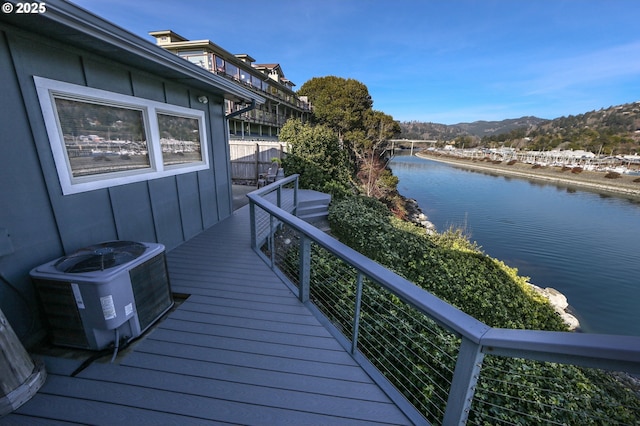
x=249 y=159
x=452 y=368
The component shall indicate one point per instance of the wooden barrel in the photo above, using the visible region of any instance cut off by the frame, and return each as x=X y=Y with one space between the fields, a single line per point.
x=20 y=378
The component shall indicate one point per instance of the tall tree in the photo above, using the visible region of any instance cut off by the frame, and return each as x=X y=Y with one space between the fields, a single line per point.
x=345 y=106
x=337 y=102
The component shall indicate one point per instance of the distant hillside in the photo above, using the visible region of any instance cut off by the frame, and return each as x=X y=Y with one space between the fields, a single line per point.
x=491 y=128
x=419 y=130
x=614 y=130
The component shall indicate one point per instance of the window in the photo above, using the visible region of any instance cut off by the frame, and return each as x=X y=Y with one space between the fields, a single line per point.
x=232 y=71
x=219 y=64
x=200 y=60
x=179 y=139
x=256 y=82
x=101 y=139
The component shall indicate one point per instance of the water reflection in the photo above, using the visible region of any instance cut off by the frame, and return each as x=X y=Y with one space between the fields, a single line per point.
x=585 y=244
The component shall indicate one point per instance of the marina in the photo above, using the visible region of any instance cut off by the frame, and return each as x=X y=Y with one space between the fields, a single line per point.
x=577 y=160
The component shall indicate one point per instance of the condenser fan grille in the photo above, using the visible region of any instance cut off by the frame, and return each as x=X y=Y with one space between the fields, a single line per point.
x=101 y=256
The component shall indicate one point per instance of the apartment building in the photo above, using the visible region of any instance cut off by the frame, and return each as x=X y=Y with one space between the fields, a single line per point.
x=267 y=80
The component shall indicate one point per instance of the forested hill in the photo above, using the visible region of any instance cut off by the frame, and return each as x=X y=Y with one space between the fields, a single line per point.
x=419 y=130
x=614 y=130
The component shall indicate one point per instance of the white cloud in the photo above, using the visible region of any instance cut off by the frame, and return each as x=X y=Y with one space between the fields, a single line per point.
x=583 y=71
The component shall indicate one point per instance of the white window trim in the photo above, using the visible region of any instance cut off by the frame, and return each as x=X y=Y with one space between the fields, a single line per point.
x=46 y=90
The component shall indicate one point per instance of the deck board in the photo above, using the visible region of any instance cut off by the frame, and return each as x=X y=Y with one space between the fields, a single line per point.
x=240 y=350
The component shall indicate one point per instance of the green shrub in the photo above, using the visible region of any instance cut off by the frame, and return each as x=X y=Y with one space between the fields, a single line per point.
x=315 y=154
x=447 y=265
x=455 y=270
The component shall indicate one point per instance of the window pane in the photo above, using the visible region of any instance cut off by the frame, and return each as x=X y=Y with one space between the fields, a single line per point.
x=232 y=70
x=219 y=64
x=200 y=60
x=102 y=138
x=179 y=139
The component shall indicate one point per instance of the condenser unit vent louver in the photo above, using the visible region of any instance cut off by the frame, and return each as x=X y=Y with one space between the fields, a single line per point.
x=108 y=291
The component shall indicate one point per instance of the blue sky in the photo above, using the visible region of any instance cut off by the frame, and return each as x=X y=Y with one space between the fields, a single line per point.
x=442 y=61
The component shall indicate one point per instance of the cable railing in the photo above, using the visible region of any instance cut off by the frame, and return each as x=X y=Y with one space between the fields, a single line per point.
x=450 y=367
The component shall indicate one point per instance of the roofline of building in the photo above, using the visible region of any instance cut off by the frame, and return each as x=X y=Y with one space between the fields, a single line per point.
x=171 y=33
x=176 y=46
x=76 y=26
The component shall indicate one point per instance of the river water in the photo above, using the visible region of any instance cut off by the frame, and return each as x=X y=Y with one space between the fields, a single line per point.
x=584 y=244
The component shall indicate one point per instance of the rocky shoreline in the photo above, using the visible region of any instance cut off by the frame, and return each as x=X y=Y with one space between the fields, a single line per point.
x=560 y=304
x=417 y=216
x=557 y=300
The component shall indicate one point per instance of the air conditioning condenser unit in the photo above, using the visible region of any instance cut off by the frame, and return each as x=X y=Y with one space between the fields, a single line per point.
x=104 y=294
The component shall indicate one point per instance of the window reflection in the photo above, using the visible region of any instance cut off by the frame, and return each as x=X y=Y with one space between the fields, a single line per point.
x=179 y=139
x=102 y=138
x=232 y=70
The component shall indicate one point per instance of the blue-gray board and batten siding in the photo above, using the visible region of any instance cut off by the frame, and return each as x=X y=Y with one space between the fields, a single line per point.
x=242 y=349
x=44 y=224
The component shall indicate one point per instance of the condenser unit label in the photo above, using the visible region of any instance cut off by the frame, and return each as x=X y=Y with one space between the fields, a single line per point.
x=128 y=309
x=77 y=295
x=108 y=307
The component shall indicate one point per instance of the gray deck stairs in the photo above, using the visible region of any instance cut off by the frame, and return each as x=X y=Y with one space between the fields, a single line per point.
x=313 y=206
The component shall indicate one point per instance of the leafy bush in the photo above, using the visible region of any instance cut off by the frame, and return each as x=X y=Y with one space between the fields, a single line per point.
x=314 y=153
x=448 y=265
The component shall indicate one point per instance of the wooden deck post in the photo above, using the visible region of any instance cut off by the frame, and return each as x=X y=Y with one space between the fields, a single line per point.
x=20 y=378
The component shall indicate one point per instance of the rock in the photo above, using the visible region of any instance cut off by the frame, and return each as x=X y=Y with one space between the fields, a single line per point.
x=570 y=320
x=556 y=298
x=560 y=305
x=415 y=215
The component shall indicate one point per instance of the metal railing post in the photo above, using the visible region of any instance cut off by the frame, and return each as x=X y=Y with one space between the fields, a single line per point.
x=304 y=268
x=252 y=222
x=279 y=192
x=272 y=243
x=356 y=314
x=295 y=197
x=610 y=352
x=463 y=385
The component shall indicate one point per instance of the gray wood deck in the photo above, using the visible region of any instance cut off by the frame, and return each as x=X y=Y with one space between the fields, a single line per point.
x=240 y=350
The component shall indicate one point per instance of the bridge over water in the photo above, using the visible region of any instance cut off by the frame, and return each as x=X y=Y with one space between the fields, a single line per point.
x=412 y=141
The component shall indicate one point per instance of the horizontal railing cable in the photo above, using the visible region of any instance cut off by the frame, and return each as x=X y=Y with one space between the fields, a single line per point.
x=448 y=364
